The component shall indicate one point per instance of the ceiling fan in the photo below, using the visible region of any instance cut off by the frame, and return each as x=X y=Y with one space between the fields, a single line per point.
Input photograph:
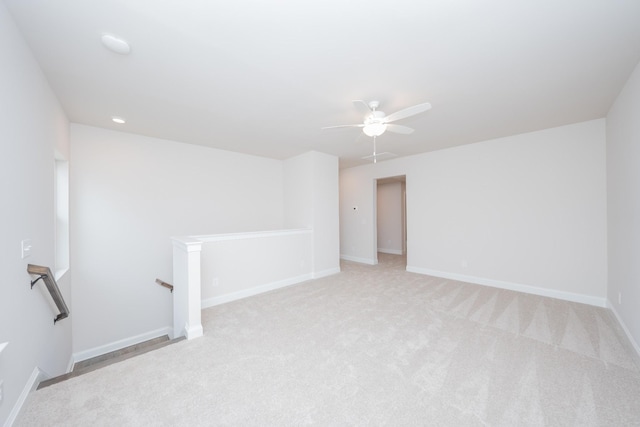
x=377 y=122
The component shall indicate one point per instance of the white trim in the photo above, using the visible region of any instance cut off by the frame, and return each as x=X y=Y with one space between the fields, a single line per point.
x=358 y=259
x=32 y=383
x=60 y=273
x=192 y=332
x=222 y=299
x=251 y=235
x=325 y=273
x=187 y=243
x=567 y=296
x=390 y=251
x=624 y=327
x=187 y=295
x=120 y=344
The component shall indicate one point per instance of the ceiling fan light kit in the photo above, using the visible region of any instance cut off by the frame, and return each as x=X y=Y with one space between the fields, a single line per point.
x=374 y=129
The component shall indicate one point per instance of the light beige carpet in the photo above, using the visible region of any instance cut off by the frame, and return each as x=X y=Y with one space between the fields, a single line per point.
x=373 y=345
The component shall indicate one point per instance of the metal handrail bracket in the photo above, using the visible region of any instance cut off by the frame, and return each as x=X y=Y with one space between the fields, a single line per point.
x=44 y=273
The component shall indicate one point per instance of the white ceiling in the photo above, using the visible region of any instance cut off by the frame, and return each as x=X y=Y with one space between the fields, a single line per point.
x=262 y=77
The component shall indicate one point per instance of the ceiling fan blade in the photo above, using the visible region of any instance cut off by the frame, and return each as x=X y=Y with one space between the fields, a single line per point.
x=399 y=129
x=343 y=126
x=416 y=109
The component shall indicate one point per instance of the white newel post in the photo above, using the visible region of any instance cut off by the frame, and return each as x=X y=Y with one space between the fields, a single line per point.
x=187 y=303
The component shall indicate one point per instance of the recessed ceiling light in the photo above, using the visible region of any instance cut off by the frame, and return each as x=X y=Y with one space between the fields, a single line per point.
x=118 y=120
x=116 y=44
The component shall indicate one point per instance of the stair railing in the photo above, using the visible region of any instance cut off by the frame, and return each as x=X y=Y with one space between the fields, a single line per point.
x=165 y=284
x=49 y=280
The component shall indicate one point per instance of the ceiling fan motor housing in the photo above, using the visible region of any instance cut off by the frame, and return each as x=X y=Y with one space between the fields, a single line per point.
x=374 y=117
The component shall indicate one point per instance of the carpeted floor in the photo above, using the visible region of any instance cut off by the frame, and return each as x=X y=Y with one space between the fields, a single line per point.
x=373 y=345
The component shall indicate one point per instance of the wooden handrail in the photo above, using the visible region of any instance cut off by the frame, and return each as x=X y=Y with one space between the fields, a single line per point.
x=165 y=284
x=44 y=273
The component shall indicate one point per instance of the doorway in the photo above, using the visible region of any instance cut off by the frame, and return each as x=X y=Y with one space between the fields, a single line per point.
x=391 y=216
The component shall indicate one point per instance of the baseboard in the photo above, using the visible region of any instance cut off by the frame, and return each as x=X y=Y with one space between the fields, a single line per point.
x=120 y=344
x=222 y=299
x=567 y=296
x=31 y=385
x=358 y=259
x=624 y=328
x=390 y=251
x=325 y=273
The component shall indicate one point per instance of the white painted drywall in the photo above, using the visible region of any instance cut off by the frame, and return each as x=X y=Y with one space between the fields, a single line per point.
x=623 y=191
x=244 y=264
x=298 y=191
x=390 y=218
x=32 y=127
x=311 y=200
x=526 y=211
x=129 y=195
x=357 y=226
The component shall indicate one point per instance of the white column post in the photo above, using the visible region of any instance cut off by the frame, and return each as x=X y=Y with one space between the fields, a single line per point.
x=187 y=303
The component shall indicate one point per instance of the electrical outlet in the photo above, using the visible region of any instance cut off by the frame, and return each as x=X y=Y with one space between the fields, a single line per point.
x=215 y=282
x=619 y=298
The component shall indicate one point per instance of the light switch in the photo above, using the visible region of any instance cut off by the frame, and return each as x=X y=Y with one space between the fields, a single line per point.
x=26 y=248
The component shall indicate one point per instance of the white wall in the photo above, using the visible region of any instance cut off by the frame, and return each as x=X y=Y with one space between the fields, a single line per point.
x=526 y=212
x=239 y=265
x=298 y=191
x=623 y=190
x=311 y=200
x=32 y=127
x=390 y=218
x=129 y=195
x=357 y=204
